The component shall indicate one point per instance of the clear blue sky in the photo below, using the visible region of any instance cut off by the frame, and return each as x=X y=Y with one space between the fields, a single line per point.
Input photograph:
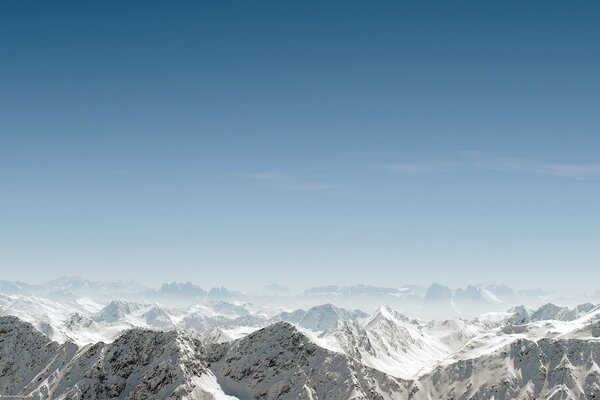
x=301 y=142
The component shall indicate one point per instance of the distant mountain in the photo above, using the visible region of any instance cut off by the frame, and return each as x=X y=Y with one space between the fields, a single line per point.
x=221 y=293
x=319 y=318
x=322 y=317
x=116 y=311
x=73 y=284
x=229 y=309
x=500 y=290
x=440 y=301
x=182 y=290
x=275 y=289
x=550 y=311
x=519 y=315
x=80 y=286
x=470 y=293
x=70 y=288
x=437 y=292
x=202 y=323
x=7 y=287
x=437 y=301
x=293 y=317
x=535 y=297
x=156 y=317
x=364 y=291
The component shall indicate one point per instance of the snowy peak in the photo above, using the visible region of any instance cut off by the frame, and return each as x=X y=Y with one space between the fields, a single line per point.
x=550 y=311
x=115 y=311
x=386 y=313
x=545 y=312
x=293 y=317
x=394 y=344
x=230 y=309
x=158 y=318
x=320 y=318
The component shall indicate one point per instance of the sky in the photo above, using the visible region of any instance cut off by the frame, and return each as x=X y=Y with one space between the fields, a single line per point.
x=301 y=142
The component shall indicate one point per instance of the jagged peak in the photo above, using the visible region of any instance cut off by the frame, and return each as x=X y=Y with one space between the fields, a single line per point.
x=383 y=314
x=279 y=331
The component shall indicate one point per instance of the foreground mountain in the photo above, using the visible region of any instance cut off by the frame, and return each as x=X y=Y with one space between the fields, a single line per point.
x=522 y=369
x=68 y=346
x=140 y=364
x=280 y=362
x=398 y=345
x=548 y=359
x=276 y=362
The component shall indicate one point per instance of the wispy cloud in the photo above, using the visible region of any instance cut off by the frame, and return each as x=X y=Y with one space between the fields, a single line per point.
x=263 y=176
x=574 y=171
x=478 y=161
x=420 y=167
x=307 y=186
x=288 y=181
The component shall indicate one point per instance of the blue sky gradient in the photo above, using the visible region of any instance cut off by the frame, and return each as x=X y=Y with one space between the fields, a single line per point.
x=305 y=143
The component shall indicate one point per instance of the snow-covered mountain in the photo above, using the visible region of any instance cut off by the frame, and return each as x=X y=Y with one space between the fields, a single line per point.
x=281 y=362
x=177 y=293
x=70 y=346
x=139 y=364
x=386 y=356
x=549 y=359
x=319 y=318
x=398 y=345
x=435 y=302
x=365 y=291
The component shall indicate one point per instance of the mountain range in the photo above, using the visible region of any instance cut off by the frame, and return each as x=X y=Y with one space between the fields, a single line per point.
x=436 y=301
x=76 y=345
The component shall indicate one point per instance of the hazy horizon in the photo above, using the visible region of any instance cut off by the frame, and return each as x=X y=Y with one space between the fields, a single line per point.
x=295 y=289
x=238 y=144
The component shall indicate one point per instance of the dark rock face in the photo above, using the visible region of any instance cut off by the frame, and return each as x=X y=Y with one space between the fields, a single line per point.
x=281 y=362
x=140 y=364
